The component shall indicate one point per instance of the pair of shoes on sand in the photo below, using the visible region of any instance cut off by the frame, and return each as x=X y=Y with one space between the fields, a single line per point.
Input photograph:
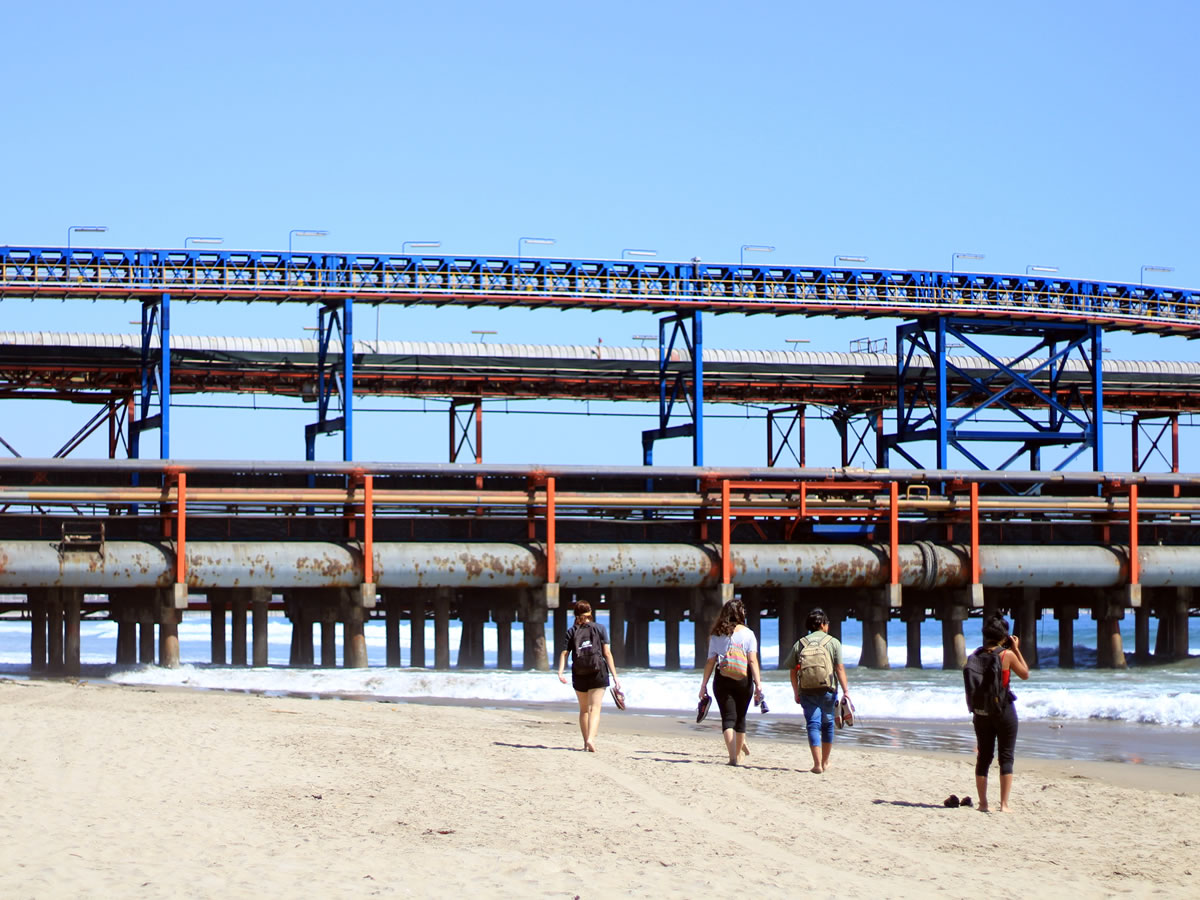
x=954 y=803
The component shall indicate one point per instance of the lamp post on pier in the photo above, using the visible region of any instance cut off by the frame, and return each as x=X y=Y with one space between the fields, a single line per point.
x=1145 y=269
x=73 y=229
x=957 y=256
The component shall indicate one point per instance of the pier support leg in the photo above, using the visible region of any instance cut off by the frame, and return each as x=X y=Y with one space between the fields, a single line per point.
x=1141 y=633
x=216 y=622
x=533 y=616
x=238 y=601
x=789 y=632
x=875 y=608
x=470 y=643
x=1026 y=615
x=146 y=642
x=354 y=637
x=752 y=601
x=671 y=628
x=706 y=606
x=126 y=639
x=617 y=604
x=441 y=628
x=1183 y=602
x=328 y=627
x=559 y=629
x=72 y=606
x=1066 y=616
x=54 y=631
x=954 y=643
x=416 y=627
x=168 y=633
x=391 y=628
x=1108 y=612
x=912 y=610
x=260 y=602
x=37 y=637
x=503 y=618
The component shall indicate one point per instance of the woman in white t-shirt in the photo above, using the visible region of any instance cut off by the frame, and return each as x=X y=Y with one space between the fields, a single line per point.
x=733 y=664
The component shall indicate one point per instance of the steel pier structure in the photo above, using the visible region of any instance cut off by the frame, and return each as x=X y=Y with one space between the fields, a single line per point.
x=144 y=540
x=342 y=542
x=1060 y=317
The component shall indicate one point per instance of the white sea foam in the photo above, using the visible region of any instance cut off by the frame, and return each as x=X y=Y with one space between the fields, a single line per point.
x=1162 y=695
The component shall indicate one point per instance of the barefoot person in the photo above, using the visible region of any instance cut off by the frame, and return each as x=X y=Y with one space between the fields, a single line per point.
x=733 y=664
x=998 y=726
x=591 y=663
x=816 y=669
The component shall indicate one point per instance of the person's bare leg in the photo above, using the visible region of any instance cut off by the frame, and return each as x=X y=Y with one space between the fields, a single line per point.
x=743 y=746
x=731 y=746
x=818 y=767
x=595 y=699
x=1005 y=787
x=583 y=716
x=826 y=749
x=981 y=790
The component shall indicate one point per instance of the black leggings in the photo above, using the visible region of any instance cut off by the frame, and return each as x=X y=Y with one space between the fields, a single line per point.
x=993 y=730
x=733 y=699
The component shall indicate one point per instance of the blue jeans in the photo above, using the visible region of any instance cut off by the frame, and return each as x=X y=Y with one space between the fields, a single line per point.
x=818 y=716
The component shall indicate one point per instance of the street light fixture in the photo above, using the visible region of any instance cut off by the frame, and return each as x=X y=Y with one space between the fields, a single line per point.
x=645 y=337
x=533 y=240
x=798 y=341
x=201 y=240
x=482 y=332
x=429 y=244
x=754 y=248
x=638 y=253
x=1048 y=269
x=75 y=228
x=305 y=232
x=842 y=259
x=1145 y=269
x=958 y=256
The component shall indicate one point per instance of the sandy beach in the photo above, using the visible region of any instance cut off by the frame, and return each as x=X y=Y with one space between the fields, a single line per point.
x=135 y=792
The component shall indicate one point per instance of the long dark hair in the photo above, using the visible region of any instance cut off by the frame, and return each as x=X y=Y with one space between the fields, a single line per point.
x=995 y=631
x=732 y=615
x=583 y=612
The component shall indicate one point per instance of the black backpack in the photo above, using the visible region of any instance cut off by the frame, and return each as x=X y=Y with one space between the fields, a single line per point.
x=983 y=680
x=587 y=649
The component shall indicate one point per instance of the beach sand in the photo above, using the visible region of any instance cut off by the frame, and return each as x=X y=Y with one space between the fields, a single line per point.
x=136 y=792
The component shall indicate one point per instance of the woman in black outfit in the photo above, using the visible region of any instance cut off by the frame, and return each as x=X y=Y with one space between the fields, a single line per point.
x=1001 y=729
x=589 y=689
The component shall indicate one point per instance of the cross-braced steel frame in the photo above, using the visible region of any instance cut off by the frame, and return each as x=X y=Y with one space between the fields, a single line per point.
x=927 y=411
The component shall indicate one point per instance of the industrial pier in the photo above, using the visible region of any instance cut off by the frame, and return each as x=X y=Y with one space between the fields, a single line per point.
x=340 y=542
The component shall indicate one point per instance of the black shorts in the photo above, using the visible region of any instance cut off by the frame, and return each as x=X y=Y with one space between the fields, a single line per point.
x=733 y=699
x=585 y=683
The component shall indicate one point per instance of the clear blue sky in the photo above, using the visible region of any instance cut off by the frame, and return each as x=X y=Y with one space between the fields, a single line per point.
x=1057 y=134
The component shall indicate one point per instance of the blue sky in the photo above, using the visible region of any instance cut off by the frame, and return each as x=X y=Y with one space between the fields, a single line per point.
x=1056 y=134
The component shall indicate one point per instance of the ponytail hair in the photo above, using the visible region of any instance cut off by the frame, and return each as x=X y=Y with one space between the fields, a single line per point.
x=583 y=612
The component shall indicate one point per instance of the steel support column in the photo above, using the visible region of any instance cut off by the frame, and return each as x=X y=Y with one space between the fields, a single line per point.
x=952 y=411
x=156 y=378
x=673 y=385
x=334 y=381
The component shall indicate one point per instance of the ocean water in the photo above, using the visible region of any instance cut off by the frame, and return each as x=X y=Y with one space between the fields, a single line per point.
x=1151 y=705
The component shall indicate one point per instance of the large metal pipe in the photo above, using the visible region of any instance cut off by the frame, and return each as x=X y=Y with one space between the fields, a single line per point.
x=130 y=564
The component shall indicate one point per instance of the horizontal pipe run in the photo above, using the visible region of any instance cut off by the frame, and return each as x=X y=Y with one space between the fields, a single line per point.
x=27 y=565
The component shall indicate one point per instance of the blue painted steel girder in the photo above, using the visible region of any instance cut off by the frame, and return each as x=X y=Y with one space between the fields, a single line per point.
x=335 y=378
x=196 y=274
x=924 y=413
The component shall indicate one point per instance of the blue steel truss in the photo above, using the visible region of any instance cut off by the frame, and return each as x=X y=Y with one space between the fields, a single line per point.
x=667 y=287
x=679 y=380
x=156 y=378
x=925 y=410
x=335 y=378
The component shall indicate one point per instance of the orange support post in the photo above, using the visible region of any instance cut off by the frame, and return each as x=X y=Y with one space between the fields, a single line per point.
x=1134 y=570
x=726 y=562
x=894 y=541
x=181 y=529
x=974 y=532
x=551 y=552
x=368 y=529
